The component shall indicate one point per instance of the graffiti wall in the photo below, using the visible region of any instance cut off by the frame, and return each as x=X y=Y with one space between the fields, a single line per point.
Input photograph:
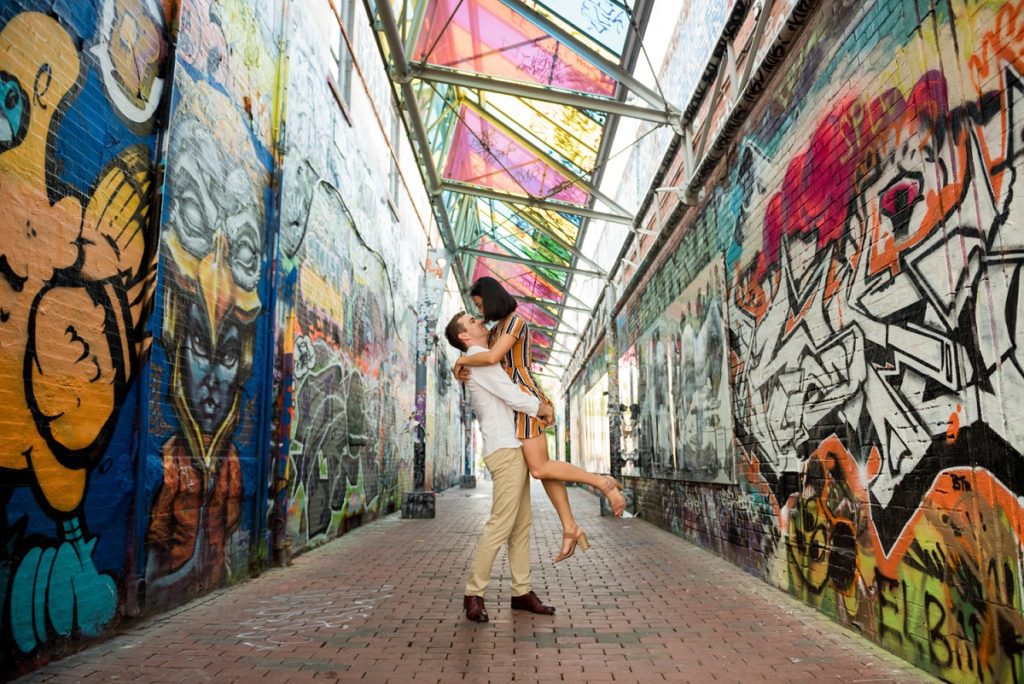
x=346 y=317
x=350 y=445
x=204 y=332
x=683 y=423
x=588 y=413
x=446 y=431
x=77 y=145
x=868 y=228
x=204 y=457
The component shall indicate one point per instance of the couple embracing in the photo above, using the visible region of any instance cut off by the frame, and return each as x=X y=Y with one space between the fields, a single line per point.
x=513 y=412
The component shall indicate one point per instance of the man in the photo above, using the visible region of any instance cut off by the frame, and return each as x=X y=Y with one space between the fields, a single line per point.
x=495 y=397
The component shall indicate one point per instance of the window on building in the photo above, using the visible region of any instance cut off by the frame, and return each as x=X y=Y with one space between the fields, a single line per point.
x=394 y=178
x=341 y=80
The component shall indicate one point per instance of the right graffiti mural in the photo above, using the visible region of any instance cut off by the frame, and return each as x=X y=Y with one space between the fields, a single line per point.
x=870 y=225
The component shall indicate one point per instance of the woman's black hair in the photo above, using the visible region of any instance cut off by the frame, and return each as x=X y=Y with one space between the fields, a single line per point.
x=498 y=303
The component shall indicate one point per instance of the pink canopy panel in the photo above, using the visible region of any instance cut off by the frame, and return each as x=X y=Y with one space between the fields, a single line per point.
x=517 y=278
x=487 y=37
x=483 y=154
x=537 y=315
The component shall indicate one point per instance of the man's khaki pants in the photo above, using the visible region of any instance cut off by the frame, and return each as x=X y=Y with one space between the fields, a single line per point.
x=509 y=522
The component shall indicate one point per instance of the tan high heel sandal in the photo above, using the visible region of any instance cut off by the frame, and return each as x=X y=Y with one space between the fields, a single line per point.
x=579 y=537
x=611 y=485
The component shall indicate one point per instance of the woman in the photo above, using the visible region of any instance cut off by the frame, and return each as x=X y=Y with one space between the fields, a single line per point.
x=510 y=345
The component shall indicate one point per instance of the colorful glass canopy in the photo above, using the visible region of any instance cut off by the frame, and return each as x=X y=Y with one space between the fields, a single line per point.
x=489 y=37
x=516 y=99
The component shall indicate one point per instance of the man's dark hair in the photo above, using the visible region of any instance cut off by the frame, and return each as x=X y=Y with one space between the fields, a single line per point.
x=454 y=329
x=498 y=303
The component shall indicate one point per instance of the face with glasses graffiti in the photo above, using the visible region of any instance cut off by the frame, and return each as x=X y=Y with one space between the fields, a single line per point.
x=215 y=223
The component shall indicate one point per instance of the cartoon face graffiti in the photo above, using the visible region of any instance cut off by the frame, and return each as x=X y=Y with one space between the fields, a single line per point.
x=214 y=253
x=215 y=224
x=73 y=290
x=212 y=197
x=14 y=109
x=210 y=373
x=917 y=177
x=131 y=51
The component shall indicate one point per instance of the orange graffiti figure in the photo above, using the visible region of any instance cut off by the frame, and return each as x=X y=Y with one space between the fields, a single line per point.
x=67 y=344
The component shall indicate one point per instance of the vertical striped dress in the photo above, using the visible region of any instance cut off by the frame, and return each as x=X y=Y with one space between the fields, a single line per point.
x=517 y=364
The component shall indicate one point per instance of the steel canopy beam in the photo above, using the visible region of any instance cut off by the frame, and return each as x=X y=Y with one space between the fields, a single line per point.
x=549 y=205
x=479 y=253
x=586 y=52
x=434 y=74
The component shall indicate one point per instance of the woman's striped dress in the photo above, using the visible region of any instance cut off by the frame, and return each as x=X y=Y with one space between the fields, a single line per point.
x=517 y=364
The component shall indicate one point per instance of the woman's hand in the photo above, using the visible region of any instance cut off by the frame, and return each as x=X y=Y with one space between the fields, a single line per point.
x=548 y=411
x=460 y=371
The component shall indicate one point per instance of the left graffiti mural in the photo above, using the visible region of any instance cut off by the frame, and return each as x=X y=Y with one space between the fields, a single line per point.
x=204 y=459
x=213 y=256
x=76 y=266
x=206 y=339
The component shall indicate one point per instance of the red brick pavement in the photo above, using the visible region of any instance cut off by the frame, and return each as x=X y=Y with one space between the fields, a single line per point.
x=384 y=602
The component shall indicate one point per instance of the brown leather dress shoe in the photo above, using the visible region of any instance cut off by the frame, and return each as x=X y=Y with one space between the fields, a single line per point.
x=530 y=602
x=474 y=607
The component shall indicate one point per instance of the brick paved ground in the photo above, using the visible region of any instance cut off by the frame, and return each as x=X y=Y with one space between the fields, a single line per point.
x=383 y=604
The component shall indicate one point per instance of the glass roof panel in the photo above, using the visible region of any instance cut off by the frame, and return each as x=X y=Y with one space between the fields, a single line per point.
x=564 y=226
x=488 y=37
x=519 y=145
x=567 y=131
x=534 y=314
x=604 y=22
x=503 y=220
x=550 y=277
x=519 y=279
x=482 y=154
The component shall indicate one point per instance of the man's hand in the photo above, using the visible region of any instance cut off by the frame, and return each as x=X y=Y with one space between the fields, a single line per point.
x=546 y=412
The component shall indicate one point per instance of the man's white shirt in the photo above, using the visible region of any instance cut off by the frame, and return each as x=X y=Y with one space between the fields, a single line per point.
x=495 y=398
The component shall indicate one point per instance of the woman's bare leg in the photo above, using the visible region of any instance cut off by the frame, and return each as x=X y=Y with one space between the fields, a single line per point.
x=554 y=474
x=555 y=489
x=543 y=468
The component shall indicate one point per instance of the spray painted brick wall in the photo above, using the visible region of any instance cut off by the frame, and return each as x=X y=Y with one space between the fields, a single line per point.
x=347 y=290
x=77 y=140
x=146 y=208
x=204 y=456
x=868 y=223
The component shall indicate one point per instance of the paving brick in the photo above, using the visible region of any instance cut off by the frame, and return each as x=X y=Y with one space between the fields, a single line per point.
x=379 y=605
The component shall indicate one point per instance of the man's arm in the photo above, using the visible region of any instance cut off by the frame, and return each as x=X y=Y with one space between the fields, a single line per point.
x=496 y=381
